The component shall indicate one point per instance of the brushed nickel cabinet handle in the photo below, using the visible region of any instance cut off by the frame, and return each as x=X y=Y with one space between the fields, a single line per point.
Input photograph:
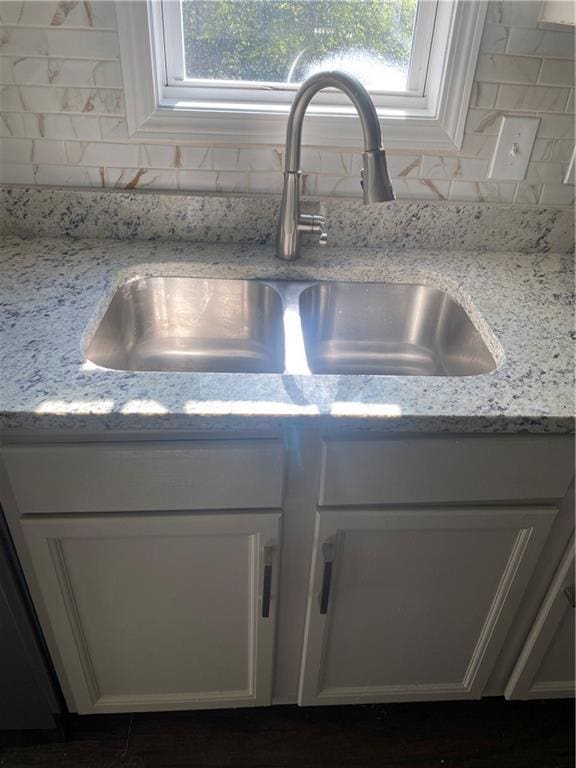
x=267 y=582
x=328 y=551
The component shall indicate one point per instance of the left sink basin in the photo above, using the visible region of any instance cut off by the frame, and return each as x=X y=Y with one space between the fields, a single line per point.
x=191 y=324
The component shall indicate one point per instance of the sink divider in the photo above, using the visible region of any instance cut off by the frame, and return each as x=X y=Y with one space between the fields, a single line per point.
x=295 y=360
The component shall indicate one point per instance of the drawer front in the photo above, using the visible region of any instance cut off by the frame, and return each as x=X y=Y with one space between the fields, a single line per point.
x=444 y=469
x=58 y=479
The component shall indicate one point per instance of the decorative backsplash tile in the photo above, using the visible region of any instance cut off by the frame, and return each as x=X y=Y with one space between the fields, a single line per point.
x=495 y=38
x=554 y=150
x=532 y=98
x=557 y=194
x=63 y=121
x=35 y=98
x=556 y=126
x=67 y=43
x=487 y=191
x=520 y=13
x=453 y=168
x=538 y=42
x=99 y=14
x=556 y=72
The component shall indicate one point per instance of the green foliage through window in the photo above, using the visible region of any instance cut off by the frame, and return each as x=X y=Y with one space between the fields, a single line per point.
x=282 y=41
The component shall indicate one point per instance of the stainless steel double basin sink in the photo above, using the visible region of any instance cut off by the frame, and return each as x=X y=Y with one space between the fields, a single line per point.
x=264 y=326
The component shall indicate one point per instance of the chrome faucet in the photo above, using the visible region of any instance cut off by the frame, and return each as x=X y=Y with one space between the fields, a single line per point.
x=374 y=175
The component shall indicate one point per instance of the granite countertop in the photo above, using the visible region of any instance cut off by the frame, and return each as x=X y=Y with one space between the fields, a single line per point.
x=54 y=290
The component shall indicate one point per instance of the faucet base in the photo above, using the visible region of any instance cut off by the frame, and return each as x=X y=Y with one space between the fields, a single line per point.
x=288 y=235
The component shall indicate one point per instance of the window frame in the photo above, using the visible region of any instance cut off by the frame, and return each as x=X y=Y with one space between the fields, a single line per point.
x=434 y=120
x=176 y=87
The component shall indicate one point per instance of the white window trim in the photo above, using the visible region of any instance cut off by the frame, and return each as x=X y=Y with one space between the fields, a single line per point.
x=438 y=125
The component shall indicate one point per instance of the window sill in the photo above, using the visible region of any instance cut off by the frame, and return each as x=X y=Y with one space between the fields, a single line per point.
x=209 y=124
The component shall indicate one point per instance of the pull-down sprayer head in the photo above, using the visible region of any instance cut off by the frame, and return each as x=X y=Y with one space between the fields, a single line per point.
x=375 y=181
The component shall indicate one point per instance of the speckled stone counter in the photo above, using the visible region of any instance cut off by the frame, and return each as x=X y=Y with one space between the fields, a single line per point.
x=403 y=224
x=53 y=291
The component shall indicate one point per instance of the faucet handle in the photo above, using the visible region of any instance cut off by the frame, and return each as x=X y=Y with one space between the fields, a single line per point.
x=313 y=222
x=323 y=239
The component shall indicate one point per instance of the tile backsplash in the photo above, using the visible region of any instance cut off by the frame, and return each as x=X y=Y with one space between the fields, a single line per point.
x=62 y=117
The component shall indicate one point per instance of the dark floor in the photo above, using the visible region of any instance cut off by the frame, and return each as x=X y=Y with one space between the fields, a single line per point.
x=490 y=733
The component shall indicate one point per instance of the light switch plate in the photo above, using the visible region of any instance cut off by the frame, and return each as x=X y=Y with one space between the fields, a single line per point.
x=513 y=148
x=570 y=177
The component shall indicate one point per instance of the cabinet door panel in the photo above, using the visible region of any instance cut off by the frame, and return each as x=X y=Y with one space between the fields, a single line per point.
x=545 y=668
x=158 y=612
x=419 y=600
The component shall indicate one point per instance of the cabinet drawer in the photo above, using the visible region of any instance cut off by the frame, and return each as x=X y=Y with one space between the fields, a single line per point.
x=362 y=471
x=125 y=477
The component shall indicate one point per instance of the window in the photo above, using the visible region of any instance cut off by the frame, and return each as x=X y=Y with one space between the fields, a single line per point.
x=263 y=49
x=227 y=70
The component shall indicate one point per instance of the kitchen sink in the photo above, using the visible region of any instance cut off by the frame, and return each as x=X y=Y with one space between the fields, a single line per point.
x=191 y=324
x=388 y=328
x=257 y=326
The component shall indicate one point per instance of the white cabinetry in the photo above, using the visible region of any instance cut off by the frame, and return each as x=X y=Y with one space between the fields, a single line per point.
x=159 y=612
x=154 y=566
x=435 y=470
x=146 y=476
x=411 y=604
x=546 y=666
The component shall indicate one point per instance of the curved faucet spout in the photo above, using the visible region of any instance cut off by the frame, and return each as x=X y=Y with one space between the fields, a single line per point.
x=357 y=94
x=375 y=180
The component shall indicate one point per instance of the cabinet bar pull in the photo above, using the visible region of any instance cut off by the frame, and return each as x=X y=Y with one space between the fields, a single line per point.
x=570 y=595
x=328 y=550
x=267 y=585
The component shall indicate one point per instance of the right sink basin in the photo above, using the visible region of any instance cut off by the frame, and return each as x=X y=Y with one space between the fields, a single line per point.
x=390 y=329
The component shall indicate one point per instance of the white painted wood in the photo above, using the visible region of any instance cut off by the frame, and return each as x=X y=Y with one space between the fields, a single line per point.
x=298 y=519
x=420 y=603
x=155 y=112
x=545 y=668
x=126 y=477
x=158 y=612
x=534 y=595
x=557 y=13
x=444 y=469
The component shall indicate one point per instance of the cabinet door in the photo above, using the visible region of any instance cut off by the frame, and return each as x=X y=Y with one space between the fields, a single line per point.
x=545 y=668
x=158 y=612
x=413 y=604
